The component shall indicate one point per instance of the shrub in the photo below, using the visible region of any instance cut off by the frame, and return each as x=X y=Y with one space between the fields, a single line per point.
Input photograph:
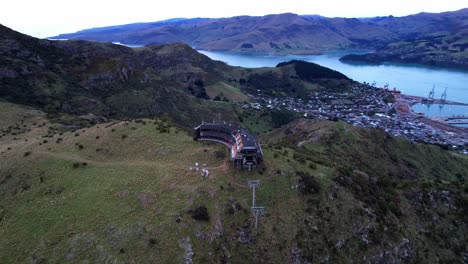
x=202 y=94
x=230 y=211
x=308 y=184
x=151 y=241
x=200 y=214
x=124 y=136
x=27 y=153
x=76 y=165
x=80 y=146
x=313 y=166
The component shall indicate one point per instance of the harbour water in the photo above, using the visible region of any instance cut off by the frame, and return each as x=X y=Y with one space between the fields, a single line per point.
x=441 y=110
x=410 y=79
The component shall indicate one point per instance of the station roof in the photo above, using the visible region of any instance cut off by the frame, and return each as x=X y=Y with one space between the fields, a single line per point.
x=248 y=140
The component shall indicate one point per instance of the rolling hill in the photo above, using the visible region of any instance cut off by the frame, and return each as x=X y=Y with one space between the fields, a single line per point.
x=79 y=78
x=293 y=34
x=284 y=33
x=435 y=39
x=98 y=164
x=128 y=191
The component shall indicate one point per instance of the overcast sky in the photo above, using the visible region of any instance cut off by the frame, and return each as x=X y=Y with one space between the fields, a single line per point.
x=45 y=18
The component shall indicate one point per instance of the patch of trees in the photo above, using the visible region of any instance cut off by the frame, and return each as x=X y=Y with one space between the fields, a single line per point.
x=308 y=184
x=221 y=98
x=202 y=94
x=282 y=117
x=267 y=81
x=367 y=58
x=273 y=84
x=310 y=71
x=198 y=89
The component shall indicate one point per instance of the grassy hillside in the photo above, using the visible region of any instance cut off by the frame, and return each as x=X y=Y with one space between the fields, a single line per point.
x=442 y=49
x=128 y=191
x=91 y=81
x=121 y=192
x=101 y=166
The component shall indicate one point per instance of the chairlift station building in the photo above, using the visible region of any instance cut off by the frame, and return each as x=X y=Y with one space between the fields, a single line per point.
x=245 y=151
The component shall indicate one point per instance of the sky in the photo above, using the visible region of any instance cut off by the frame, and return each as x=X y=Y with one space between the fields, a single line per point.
x=46 y=18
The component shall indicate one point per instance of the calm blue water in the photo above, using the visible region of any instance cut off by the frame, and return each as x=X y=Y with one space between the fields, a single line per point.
x=410 y=79
x=441 y=110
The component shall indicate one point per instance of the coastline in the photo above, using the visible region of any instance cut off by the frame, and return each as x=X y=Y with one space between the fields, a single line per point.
x=403 y=104
x=405 y=59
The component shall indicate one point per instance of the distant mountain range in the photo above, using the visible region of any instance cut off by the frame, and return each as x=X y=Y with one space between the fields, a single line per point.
x=433 y=39
x=441 y=36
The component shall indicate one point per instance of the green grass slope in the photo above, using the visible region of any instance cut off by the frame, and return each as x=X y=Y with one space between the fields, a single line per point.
x=126 y=191
x=374 y=198
x=121 y=192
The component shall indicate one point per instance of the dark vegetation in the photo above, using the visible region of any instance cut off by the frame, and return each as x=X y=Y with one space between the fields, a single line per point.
x=310 y=71
x=308 y=184
x=200 y=214
x=281 y=82
x=282 y=117
x=393 y=184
